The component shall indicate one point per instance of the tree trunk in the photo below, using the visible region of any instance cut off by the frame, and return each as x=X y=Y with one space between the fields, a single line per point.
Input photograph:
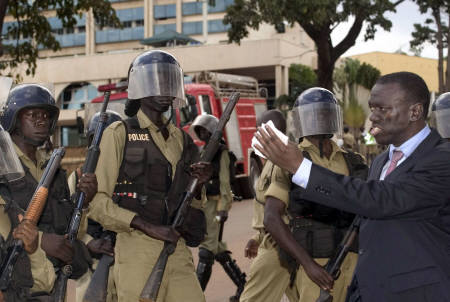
x=325 y=63
x=447 y=73
x=437 y=17
x=3 y=6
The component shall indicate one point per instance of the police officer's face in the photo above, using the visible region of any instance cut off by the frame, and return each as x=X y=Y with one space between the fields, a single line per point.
x=157 y=103
x=34 y=123
x=203 y=134
x=391 y=114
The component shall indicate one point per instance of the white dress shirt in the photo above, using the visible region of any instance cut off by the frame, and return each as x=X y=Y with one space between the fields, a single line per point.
x=301 y=176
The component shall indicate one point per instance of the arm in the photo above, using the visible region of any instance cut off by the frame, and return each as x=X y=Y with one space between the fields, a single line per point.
x=417 y=194
x=42 y=270
x=225 y=187
x=102 y=207
x=275 y=225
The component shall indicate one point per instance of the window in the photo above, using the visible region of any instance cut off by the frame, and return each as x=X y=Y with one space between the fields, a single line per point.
x=216 y=26
x=205 y=104
x=162 y=12
x=71 y=137
x=192 y=28
x=133 y=27
x=220 y=6
x=126 y=24
x=192 y=8
x=189 y=112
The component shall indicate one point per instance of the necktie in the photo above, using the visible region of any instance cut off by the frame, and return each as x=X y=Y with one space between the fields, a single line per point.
x=396 y=156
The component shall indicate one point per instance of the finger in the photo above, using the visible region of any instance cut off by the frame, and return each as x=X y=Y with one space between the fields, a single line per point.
x=79 y=174
x=20 y=217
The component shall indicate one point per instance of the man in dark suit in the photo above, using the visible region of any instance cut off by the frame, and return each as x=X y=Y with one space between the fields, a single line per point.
x=405 y=233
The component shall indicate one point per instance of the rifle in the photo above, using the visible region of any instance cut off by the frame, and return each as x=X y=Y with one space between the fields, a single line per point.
x=334 y=264
x=98 y=286
x=89 y=167
x=151 y=288
x=33 y=213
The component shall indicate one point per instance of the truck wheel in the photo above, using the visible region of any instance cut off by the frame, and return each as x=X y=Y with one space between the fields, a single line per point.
x=255 y=172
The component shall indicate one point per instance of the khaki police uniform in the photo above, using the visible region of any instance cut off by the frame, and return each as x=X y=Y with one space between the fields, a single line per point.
x=216 y=203
x=135 y=252
x=268 y=280
x=278 y=186
x=82 y=283
x=41 y=268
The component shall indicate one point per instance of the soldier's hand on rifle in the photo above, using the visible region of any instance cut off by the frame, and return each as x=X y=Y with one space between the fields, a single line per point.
x=101 y=246
x=319 y=275
x=28 y=233
x=88 y=184
x=160 y=232
x=57 y=246
x=203 y=171
x=223 y=216
x=251 y=249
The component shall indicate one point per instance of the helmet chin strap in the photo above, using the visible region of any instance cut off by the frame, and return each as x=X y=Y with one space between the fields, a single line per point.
x=166 y=124
x=28 y=140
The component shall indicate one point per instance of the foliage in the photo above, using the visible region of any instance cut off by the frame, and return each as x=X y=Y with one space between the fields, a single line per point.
x=32 y=31
x=347 y=77
x=301 y=77
x=435 y=31
x=318 y=18
x=284 y=103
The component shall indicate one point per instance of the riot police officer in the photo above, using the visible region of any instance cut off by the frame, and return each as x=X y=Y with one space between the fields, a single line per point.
x=143 y=171
x=30 y=116
x=218 y=203
x=441 y=112
x=301 y=241
x=97 y=240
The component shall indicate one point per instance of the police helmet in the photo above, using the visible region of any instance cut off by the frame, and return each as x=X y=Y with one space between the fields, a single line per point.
x=93 y=122
x=207 y=121
x=28 y=96
x=441 y=110
x=315 y=112
x=156 y=73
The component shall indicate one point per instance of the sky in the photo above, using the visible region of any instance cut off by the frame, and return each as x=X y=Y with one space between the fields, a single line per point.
x=389 y=41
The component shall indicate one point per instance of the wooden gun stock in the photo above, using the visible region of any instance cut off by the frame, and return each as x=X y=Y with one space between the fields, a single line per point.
x=151 y=288
x=33 y=213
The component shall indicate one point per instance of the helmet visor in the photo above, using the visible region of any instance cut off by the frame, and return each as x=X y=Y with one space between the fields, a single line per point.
x=317 y=118
x=157 y=79
x=443 y=122
x=10 y=166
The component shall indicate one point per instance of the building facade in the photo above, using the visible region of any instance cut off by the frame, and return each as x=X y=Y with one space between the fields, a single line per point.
x=91 y=56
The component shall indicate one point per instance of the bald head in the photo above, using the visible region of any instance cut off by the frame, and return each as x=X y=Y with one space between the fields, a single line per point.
x=275 y=116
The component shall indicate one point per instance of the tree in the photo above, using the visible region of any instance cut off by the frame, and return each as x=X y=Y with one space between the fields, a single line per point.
x=434 y=31
x=301 y=77
x=347 y=77
x=32 y=31
x=318 y=18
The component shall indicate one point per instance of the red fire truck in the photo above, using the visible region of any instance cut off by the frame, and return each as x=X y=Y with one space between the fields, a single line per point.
x=208 y=94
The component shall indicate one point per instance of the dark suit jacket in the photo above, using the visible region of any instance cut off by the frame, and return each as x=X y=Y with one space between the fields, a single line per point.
x=405 y=236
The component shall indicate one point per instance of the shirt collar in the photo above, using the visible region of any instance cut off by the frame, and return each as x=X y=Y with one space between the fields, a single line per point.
x=145 y=122
x=411 y=144
x=306 y=144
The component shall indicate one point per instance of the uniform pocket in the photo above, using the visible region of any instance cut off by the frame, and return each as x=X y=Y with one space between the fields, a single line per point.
x=135 y=161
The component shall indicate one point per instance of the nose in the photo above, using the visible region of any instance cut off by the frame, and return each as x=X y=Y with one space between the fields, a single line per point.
x=374 y=117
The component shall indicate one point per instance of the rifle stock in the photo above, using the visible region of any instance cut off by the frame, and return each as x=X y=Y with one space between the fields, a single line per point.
x=333 y=266
x=98 y=286
x=33 y=213
x=151 y=288
x=89 y=167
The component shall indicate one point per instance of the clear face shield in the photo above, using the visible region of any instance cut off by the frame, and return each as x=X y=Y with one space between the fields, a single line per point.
x=157 y=79
x=316 y=119
x=10 y=166
x=443 y=122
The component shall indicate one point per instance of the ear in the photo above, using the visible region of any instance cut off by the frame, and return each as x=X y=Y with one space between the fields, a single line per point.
x=416 y=112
